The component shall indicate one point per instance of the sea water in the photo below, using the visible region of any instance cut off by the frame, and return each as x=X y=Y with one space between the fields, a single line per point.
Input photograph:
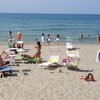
x=68 y=26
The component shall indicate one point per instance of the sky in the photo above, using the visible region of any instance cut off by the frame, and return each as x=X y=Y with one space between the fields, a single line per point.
x=50 y=6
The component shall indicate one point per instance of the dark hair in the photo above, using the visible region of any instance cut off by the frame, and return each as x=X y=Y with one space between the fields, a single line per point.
x=48 y=34
x=87 y=77
x=10 y=32
x=42 y=34
x=58 y=36
x=39 y=44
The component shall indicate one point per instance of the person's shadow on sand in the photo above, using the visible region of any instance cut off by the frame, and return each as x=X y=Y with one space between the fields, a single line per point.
x=53 y=67
x=79 y=70
x=25 y=71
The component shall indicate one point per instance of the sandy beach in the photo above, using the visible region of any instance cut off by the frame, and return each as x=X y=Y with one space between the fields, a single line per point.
x=31 y=82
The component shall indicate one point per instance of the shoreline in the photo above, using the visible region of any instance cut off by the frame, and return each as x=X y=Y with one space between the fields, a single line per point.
x=55 y=43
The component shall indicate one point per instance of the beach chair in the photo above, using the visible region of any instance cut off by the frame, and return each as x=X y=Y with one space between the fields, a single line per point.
x=16 y=58
x=69 y=45
x=19 y=50
x=72 y=53
x=33 y=60
x=20 y=59
x=73 y=58
x=73 y=63
x=6 y=69
x=53 y=60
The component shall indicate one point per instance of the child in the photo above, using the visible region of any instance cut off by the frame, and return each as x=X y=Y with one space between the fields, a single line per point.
x=48 y=39
x=57 y=38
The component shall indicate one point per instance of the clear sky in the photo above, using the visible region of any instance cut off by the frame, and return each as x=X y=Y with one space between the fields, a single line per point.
x=50 y=6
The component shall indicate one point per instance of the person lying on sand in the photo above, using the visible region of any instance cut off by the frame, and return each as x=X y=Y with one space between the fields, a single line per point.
x=88 y=78
x=4 y=59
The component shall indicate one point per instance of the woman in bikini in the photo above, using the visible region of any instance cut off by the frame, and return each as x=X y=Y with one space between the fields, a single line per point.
x=38 y=51
x=88 y=78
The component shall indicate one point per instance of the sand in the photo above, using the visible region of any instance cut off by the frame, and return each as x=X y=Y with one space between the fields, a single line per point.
x=31 y=82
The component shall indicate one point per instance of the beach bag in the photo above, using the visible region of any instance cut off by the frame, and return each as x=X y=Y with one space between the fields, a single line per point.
x=64 y=61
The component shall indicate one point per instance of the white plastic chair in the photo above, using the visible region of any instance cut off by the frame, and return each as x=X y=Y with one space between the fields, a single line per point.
x=69 y=45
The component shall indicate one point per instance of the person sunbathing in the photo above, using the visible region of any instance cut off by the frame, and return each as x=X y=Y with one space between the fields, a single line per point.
x=38 y=51
x=88 y=78
x=1 y=62
x=5 y=58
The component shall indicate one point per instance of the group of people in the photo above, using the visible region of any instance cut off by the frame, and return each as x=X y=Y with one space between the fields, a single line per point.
x=98 y=36
x=17 y=45
x=4 y=57
x=18 y=38
x=48 y=38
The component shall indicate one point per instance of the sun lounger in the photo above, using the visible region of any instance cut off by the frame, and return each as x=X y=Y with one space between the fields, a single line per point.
x=54 y=59
x=20 y=50
x=20 y=42
x=32 y=60
x=69 y=45
x=20 y=58
x=73 y=58
x=72 y=53
x=5 y=69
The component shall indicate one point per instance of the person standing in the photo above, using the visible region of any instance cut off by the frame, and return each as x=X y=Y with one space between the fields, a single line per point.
x=20 y=43
x=9 y=39
x=81 y=35
x=48 y=39
x=19 y=36
x=57 y=38
x=10 y=35
x=42 y=38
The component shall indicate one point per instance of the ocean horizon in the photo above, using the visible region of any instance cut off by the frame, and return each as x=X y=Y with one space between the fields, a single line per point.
x=32 y=25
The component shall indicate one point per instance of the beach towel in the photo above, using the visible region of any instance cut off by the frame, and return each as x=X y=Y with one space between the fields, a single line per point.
x=32 y=60
x=19 y=57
